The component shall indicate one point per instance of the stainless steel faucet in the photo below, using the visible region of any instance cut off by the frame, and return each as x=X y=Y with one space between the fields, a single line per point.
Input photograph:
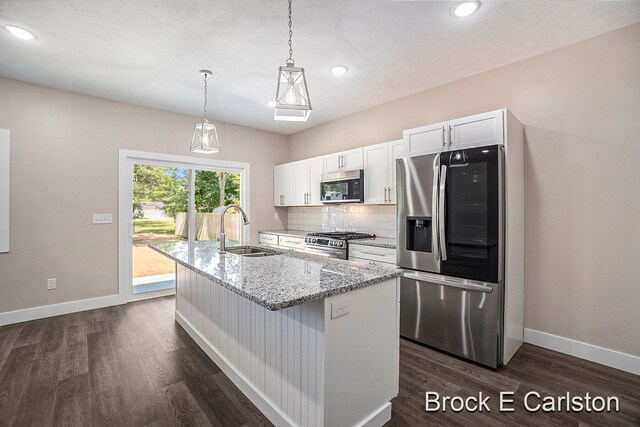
x=221 y=237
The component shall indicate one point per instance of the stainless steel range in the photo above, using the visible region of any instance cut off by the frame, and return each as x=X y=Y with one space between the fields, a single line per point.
x=332 y=244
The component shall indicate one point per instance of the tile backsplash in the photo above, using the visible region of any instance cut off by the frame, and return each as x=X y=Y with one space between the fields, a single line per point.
x=379 y=220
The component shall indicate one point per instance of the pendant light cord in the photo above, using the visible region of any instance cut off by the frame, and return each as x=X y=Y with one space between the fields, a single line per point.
x=290 y=60
x=204 y=117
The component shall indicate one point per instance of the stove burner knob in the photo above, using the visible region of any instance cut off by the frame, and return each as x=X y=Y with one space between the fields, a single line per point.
x=314 y=240
x=341 y=244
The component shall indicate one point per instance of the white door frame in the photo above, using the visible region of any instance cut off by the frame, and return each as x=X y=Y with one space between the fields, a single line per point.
x=125 y=196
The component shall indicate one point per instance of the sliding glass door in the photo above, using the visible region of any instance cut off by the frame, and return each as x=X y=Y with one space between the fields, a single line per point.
x=170 y=204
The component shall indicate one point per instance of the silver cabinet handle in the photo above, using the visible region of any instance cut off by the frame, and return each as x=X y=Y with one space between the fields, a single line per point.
x=444 y=132
x=371 y=253
x=389 y=197
x=451 y=130
x=385 y=194
x=442 y=239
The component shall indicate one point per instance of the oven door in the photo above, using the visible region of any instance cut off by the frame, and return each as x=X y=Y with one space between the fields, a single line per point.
x=470 y=213
x=326 y=251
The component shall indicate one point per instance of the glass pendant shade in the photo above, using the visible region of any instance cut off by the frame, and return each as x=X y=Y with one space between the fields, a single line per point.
x=205 y=138
x=292 y=96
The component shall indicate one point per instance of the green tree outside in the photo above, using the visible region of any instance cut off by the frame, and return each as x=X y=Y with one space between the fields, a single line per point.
x=171 y=186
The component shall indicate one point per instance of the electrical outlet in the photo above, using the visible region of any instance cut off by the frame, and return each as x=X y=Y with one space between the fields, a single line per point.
x=276 y=216
x=102 y=218
x=51 y=284
x=339 y=309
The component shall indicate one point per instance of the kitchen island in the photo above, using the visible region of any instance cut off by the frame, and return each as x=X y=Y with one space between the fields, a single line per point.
x=311 y=341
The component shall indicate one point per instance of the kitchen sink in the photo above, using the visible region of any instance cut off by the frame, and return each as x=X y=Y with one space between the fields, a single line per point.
x=251 y=251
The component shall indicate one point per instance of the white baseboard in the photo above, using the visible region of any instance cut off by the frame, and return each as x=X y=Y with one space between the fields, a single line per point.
x=379 y=417
x=17 y=316
x=604 y=356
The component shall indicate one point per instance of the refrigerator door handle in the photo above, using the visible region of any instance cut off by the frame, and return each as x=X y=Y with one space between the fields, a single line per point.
x=441 y=228
x=434 y=209
x=453 y=282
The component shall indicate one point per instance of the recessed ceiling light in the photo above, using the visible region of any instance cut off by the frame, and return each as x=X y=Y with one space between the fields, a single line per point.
x=271 y=104
x=466 y=8
x=20 y=33
x=339 y=69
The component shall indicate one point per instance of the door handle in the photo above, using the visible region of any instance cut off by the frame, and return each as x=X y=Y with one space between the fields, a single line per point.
x=441 y=228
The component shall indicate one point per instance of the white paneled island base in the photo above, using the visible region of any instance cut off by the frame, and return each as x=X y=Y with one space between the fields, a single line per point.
x=299 y=366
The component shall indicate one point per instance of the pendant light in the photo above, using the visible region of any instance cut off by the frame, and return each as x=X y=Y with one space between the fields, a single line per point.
x=205 y=137
x=292 y=95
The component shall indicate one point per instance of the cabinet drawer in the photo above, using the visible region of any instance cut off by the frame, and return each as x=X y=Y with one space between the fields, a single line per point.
x=268 y=239
x=292 y=242
x=373 y=253
x=369 y=262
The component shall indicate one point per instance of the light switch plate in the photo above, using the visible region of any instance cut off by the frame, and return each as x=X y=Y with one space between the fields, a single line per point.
x=276 y=216
x=339 y=309
x=102 y=218
x=51 y=284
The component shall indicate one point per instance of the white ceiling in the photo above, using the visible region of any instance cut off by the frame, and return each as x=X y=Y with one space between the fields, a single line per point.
x=149 y=52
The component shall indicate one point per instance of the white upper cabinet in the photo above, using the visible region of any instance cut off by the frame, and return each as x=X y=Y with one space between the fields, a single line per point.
x=396 y=151
x=478 y=130
x=425 y=139
x=283 y=185
x=472 y=131
x=316 y=169
x=380 y=172
x=300 y=182
x=376 y=173
x=343 y=161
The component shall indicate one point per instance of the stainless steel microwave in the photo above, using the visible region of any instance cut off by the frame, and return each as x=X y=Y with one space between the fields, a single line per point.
x=342 y=187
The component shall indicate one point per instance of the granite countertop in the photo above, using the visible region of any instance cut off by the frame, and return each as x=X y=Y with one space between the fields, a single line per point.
x=381 y=242
x=291 y=233
x=279 y=281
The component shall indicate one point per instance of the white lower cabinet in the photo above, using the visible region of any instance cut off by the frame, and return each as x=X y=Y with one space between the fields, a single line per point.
x=291 y=242
x=372 y=255
x=268 y=239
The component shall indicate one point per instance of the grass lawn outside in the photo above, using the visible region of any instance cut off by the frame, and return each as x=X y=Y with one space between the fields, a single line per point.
x=154 y=226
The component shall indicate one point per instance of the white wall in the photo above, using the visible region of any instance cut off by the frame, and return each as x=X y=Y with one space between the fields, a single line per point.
x=64 y=168
x=581 y=108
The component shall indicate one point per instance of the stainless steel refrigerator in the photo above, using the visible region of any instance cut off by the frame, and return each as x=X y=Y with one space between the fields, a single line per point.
x=451 y=244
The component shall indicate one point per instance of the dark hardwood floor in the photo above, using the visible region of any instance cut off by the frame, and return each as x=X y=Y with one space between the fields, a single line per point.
x=133 y=365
